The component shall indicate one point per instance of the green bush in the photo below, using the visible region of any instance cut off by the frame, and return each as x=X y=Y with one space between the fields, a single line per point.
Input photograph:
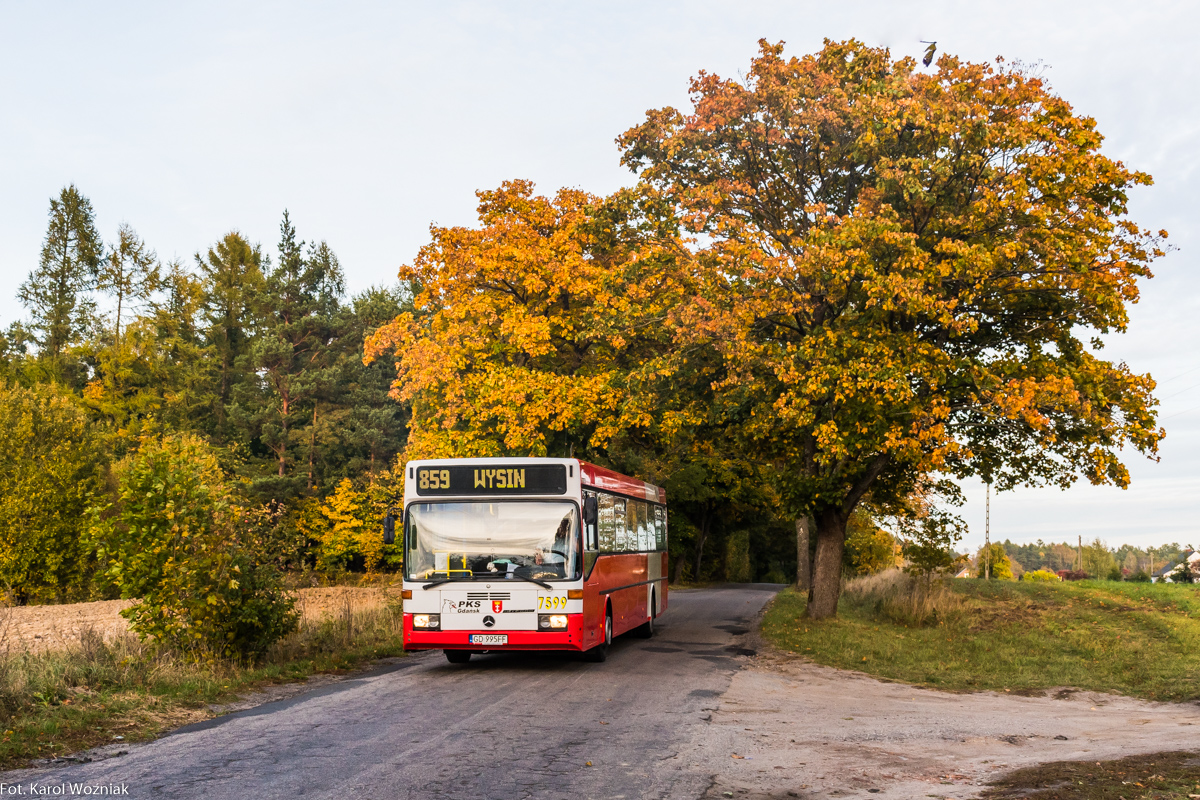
x=1042 y=576
x=177 y=541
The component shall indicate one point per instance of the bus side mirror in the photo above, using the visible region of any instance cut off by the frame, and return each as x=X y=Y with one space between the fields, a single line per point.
x=389 y=529
x=590 y=510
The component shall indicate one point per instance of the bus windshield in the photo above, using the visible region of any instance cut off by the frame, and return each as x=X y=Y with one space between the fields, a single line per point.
x=530 y=539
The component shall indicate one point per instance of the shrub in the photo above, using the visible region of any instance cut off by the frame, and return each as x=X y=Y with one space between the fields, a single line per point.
x=1073 y=575
x=1115 y=574
x=1042 y=576
x=1141 y=576
x=177 y=541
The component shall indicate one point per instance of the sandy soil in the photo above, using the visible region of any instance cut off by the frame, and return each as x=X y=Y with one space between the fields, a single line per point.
x=788 y=728
x=56 y=627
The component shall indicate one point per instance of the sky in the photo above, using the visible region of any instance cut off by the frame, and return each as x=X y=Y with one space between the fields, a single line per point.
x=370 y=122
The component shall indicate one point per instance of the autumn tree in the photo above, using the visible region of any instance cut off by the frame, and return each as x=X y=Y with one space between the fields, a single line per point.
x=51 y=470
x=993 y=562
x=902 y=271
x=533 y=333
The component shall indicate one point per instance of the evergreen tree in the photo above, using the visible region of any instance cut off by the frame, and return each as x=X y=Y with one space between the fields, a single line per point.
x=55 y=292
x=233 y=278
x=291 y=355
x=372 y=425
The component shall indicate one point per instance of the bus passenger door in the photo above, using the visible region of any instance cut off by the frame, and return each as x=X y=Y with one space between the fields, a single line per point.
x=593 y=601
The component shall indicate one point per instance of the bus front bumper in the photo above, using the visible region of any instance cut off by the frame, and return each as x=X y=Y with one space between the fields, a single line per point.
x=569 y=638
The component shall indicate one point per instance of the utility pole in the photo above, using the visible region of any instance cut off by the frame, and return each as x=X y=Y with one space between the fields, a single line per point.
x=1079 y=553
x=987 y=534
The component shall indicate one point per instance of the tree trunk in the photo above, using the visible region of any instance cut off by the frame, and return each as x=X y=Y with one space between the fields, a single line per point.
x=679 y=562
x=282 y=451
x=803 y=564
x=312 y=445
x=827 y=575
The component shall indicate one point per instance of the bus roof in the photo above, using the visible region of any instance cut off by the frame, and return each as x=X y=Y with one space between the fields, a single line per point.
x=591 y=475
x=602 y=478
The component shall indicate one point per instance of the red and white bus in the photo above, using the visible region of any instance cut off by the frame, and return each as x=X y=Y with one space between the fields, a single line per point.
x=506 y=554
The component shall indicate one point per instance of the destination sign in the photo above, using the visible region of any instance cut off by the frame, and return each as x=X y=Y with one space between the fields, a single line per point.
x=492 y=479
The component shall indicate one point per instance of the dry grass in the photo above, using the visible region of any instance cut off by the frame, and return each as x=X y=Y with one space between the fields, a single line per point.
x=100 y=685
x=900 y=597
x=57 y=627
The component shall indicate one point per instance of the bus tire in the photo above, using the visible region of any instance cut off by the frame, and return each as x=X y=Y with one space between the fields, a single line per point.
x=600 y=652
x=646 y=629
x=457 y=656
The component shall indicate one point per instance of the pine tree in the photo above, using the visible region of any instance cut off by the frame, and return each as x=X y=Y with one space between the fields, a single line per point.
x=232 y=275
x=55 y=292
x=291 y=353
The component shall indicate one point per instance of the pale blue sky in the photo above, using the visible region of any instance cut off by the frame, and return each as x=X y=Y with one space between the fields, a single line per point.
x=370 y=121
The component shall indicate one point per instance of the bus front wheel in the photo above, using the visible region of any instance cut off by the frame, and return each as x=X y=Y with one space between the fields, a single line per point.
x=457 y=656
x=600 y=651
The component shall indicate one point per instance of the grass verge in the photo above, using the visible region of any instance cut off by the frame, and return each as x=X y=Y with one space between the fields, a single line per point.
x=1141 y=640
x=1159 y=776
x=59 y=702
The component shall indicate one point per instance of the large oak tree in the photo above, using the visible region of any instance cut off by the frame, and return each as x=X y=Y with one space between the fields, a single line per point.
x=904 y=273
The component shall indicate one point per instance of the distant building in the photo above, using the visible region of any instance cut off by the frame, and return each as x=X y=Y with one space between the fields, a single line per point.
x=1190 y=557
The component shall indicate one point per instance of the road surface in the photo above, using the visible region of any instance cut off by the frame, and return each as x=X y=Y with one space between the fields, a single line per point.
x=503 y=726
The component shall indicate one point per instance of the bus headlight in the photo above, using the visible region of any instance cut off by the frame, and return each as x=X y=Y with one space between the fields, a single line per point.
x=551 y=621
x=427 y=621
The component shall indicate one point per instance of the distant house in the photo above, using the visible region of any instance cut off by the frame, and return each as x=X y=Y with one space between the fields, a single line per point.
x=1190 y=557
x=968 y=571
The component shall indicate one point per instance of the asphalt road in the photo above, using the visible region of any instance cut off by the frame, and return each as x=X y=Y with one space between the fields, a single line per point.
x=502 y=726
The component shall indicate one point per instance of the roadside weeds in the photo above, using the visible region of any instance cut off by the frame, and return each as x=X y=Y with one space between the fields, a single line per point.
x=97 y=692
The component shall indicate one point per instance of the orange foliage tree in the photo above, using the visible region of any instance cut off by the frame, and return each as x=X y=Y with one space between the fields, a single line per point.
x=541 y=330
x=898 y=270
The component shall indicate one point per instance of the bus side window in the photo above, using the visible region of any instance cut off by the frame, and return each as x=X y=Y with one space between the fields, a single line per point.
x=660 y=531
x=607 y=523
x=633 y=540
x=621 y=540
x=645 y=527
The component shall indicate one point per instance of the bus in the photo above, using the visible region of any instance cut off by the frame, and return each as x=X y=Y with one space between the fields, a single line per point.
x=507 y=554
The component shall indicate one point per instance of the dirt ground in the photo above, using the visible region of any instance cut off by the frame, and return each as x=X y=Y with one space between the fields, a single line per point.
x=55 y=627
x=788 y=728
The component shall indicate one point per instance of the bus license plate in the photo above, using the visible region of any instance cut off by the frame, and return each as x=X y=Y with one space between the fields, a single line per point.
x=489 y=638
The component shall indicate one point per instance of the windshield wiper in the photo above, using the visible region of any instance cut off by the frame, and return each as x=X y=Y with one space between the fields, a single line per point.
x=538 y=581
x=440 y=581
